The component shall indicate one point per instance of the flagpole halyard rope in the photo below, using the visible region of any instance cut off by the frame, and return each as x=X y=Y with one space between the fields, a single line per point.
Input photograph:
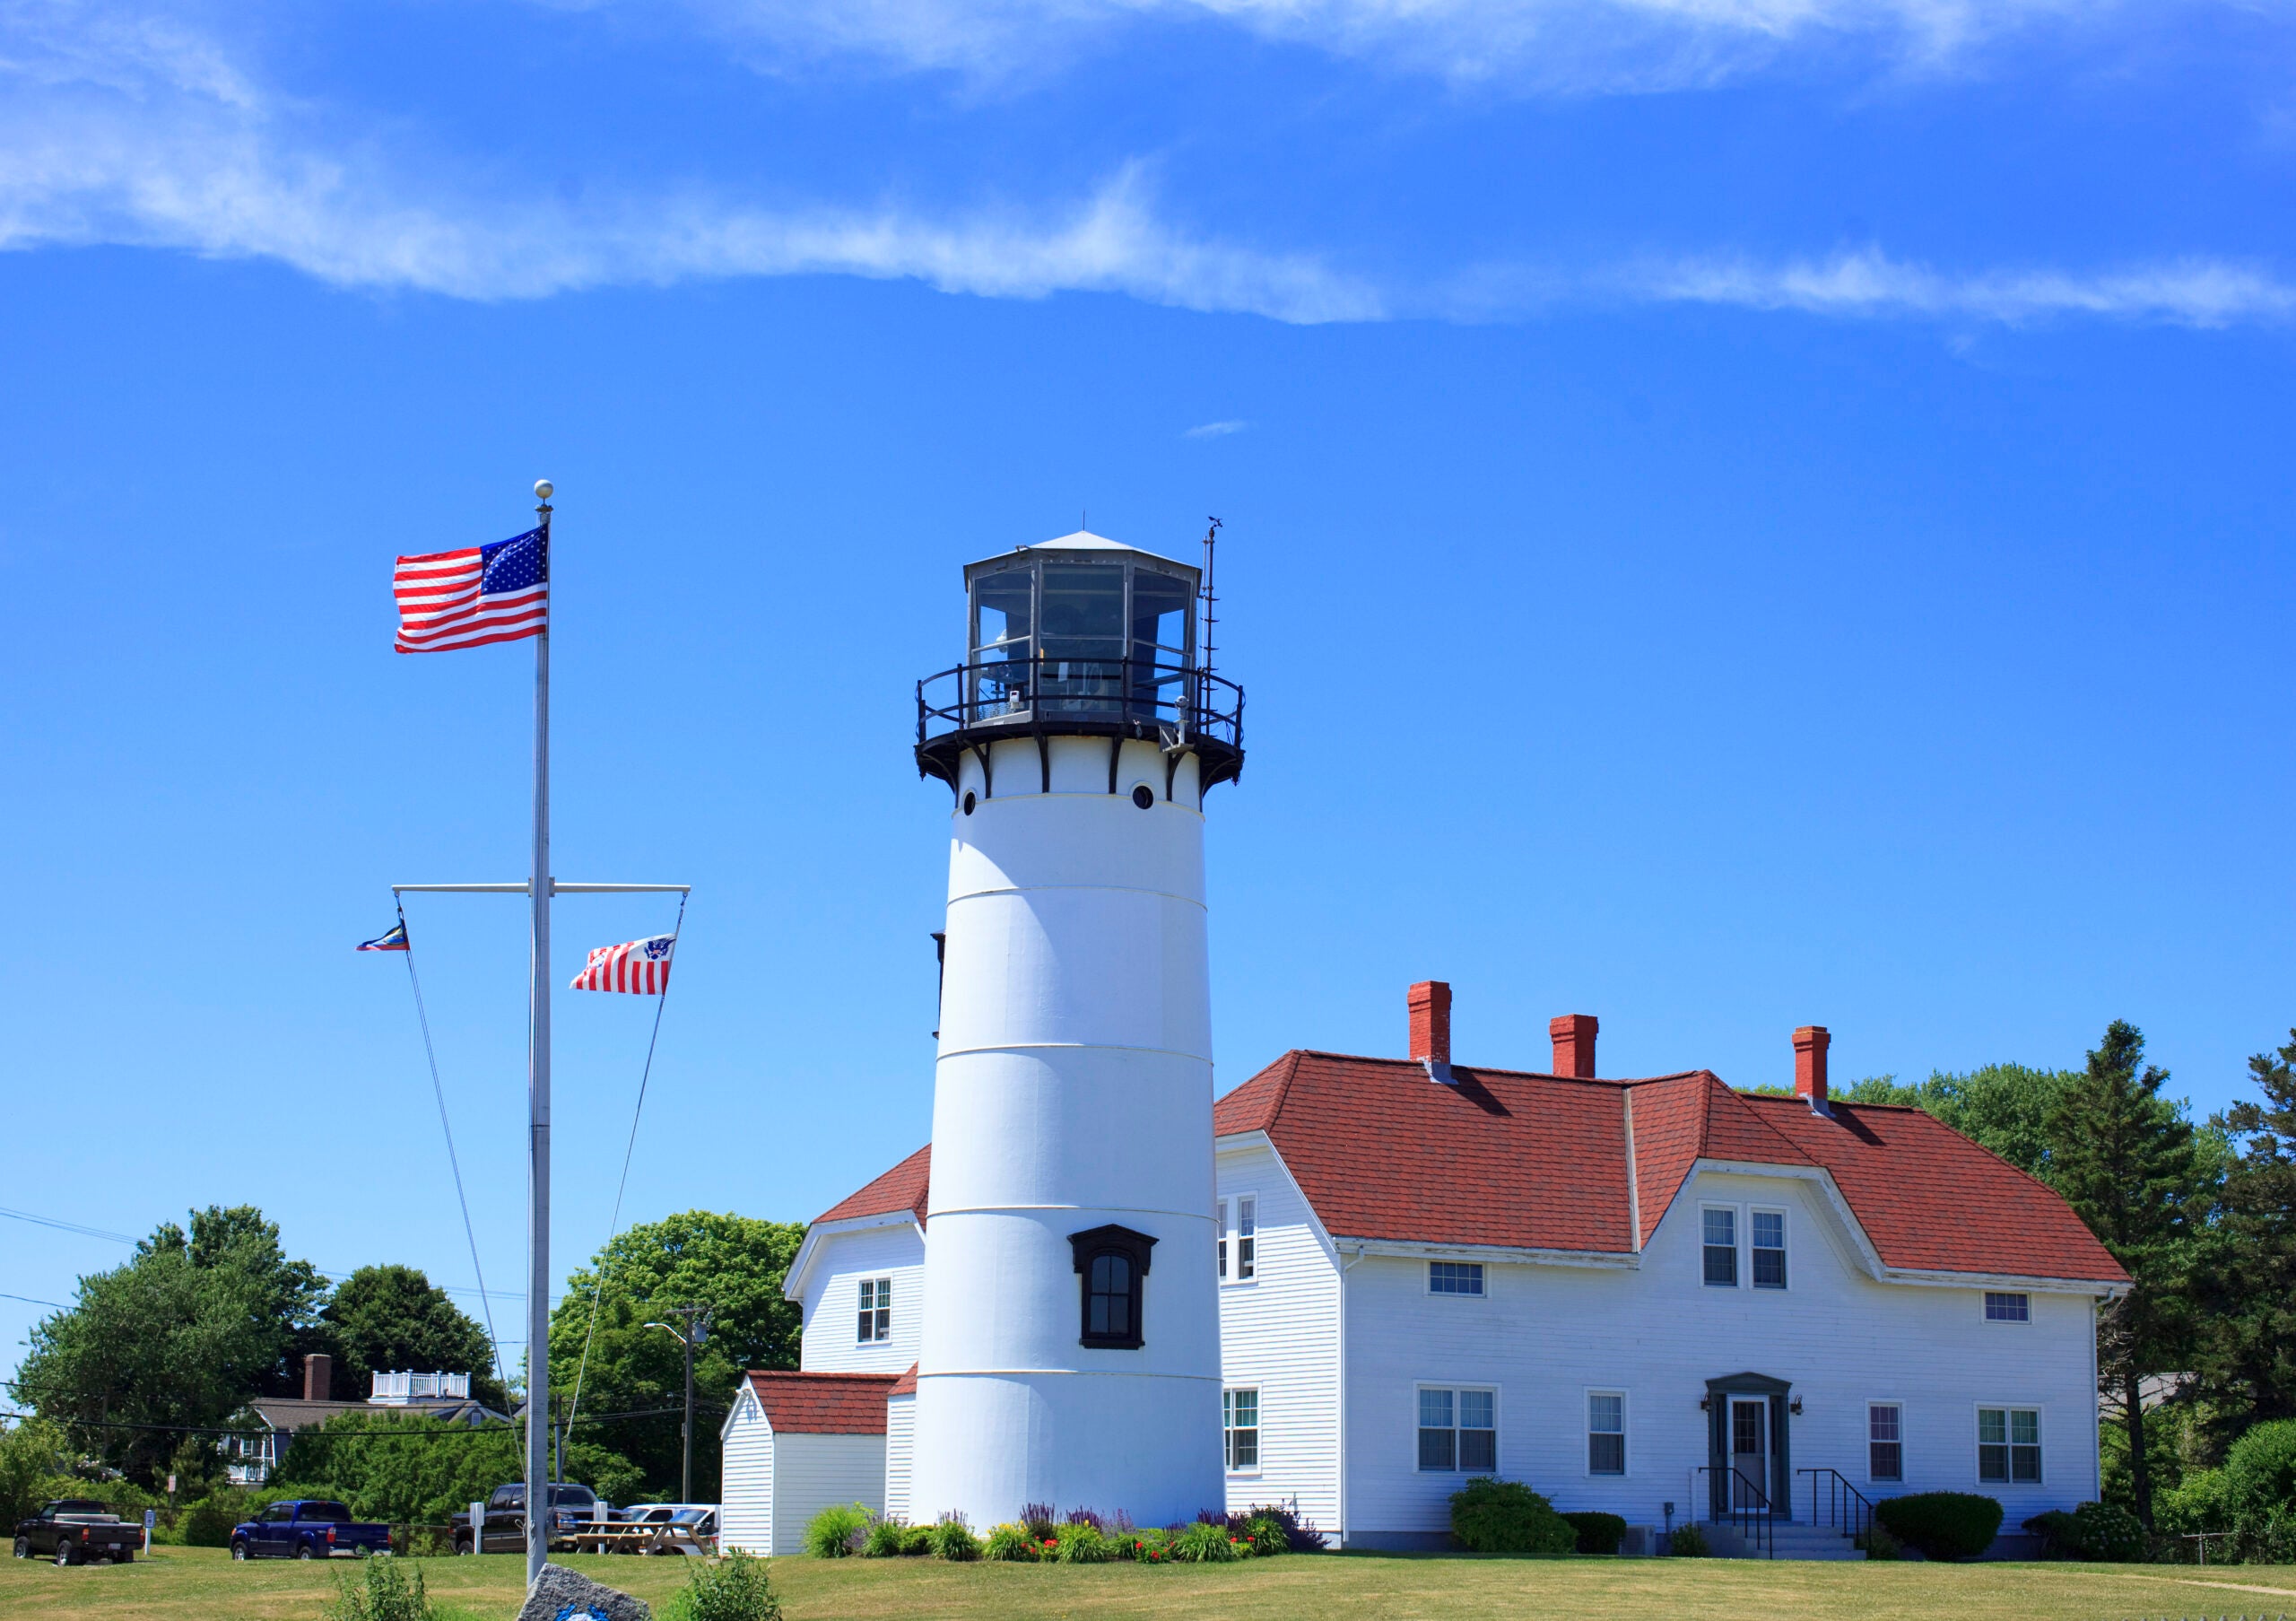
x=438 y=1091
x=599 y=1285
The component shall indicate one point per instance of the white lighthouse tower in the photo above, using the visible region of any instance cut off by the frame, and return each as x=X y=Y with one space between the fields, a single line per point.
x=1071 y=1351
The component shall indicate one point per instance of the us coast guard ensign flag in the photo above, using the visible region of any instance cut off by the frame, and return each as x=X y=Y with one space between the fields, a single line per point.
x=642 y=967
x=473 y=596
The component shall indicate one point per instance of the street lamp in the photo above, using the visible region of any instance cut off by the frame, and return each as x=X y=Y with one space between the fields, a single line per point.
x=697 y=1328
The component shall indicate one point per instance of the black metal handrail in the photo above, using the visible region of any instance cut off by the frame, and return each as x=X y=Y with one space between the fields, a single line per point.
x=1031 y=692
x=1845 y=1505
x=1723 y=1503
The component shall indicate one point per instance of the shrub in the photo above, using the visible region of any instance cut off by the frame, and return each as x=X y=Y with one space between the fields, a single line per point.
x=2055 y=1529
x=732 y=1588
x=1038 y=1518
x=2260 y=1479
x=2107 y=1534
x=954 y=1539
x=1203 y=1543
x=379 y=1592
x=1597 y=1533
x=1688 y=1542
x=1080 y=1544
x=1148 y=1546
x=2200 y=1502
x=208 y=1522
x=1879 y=1544
x=1493 y=1516
x=1302 y=1534
x=837 y=1530
x=1011 y=1542
x=887 y=1539
x=1944 y=1525
x=917 y=1540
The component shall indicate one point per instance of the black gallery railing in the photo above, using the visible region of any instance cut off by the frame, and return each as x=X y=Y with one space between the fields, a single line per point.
x=1027 y=694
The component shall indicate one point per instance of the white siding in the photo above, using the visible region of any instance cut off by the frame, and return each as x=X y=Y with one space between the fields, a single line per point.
x=901 y=1440
x=812 y=1472
x=1280 y=1332
x=745 y=1505
x=832 y=1301
x=1544 y=1336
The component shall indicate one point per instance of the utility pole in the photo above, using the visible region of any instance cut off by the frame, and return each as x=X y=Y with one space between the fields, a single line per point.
x=697 y=1330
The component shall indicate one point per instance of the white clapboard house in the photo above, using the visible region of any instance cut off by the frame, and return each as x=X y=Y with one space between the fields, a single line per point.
x=1630 y=1294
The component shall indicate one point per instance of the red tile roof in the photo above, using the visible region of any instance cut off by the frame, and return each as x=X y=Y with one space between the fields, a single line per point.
x=1526 y=1161
x=906 y=1385
x=823 y=1404
x=901 y=1188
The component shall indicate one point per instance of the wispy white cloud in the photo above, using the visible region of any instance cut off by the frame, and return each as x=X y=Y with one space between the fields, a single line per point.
x=2184 y=291
x=1215 y=430
x=1569 y=46
x=135 y=132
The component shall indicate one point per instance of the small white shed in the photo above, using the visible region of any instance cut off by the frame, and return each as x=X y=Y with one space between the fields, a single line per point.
x=794 y=1444
x=900 y=1441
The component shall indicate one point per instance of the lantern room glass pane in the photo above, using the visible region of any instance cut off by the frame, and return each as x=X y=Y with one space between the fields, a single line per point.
x=1084 y=638
x=1161 y=604
x=1004 y=619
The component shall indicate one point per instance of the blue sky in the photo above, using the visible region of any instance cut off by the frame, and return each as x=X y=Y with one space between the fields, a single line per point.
x=1739 y=513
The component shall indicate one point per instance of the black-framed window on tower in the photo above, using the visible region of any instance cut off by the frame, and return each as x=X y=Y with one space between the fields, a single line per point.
x=1112 y=1268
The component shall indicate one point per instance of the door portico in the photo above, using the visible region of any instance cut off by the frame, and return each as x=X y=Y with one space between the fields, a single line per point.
x=1749 y=1432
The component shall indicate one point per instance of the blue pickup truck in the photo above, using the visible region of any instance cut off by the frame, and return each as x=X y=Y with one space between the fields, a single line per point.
x=306 y=1528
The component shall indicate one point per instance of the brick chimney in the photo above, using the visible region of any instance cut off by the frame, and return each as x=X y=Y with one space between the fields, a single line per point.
x=1574 y=1044
x=1810 y=1044
x=318 y=1377
x=1430 y=1027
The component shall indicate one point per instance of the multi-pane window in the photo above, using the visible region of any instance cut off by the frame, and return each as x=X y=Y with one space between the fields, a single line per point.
x=1606 y=1433
x=1722 y=1248
x=1109 y=1298
x=1247 y=1237
x=876 y=1310
x=2008 y=1308
x=1240 y=1422
x=1884 y=1440
x=2009 y=1445
x=1458 y=1430
x=1454 y=1278
x=1221 y=1209
x=1770 y=1249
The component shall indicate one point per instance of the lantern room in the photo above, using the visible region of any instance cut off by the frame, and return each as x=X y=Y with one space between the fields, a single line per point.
x=1081 y=636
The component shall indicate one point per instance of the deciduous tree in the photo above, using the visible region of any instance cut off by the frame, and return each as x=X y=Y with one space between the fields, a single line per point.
x=386 y=1317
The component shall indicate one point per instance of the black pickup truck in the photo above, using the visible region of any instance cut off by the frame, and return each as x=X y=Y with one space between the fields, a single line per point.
x=74 y=1531
x=571 y=1508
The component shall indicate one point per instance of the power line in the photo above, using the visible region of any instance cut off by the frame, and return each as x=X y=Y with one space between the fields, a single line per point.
x=29 y=1301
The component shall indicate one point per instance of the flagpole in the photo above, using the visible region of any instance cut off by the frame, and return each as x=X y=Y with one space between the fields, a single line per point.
x=538 y=1504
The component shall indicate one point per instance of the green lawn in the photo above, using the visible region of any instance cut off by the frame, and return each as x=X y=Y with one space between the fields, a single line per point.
x=200 y=1584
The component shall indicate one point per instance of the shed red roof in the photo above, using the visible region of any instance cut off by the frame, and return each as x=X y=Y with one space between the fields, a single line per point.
x=823 y=1404
x=901 y=1188
x=906 y=1385
x=1527 y=1161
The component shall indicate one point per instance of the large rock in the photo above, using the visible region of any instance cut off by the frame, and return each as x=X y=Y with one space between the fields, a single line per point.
x=559 y=1594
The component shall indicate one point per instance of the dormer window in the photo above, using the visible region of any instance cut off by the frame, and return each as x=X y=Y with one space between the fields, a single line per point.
x=1111 y=1266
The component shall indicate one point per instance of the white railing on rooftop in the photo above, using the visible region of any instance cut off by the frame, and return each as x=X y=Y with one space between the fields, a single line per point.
x=392 y=1388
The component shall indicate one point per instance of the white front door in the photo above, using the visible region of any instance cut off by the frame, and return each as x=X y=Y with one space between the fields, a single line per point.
x=1749 y=1451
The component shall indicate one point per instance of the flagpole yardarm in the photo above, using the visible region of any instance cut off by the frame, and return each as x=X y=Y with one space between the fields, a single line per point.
x=538 y=1504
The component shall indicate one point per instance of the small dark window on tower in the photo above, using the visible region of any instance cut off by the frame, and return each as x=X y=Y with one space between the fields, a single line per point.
x=970 y=802
x=1110 y=1263
x=1143 y=796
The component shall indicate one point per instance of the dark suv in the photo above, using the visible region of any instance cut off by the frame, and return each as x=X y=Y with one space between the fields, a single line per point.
x=571 y=1508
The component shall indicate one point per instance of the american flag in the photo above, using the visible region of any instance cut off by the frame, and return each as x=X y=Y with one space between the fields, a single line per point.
x=642 y=967
x=470 y=598
x=393 y=939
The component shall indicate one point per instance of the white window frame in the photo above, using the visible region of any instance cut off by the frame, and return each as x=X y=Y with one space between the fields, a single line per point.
x=1220 y=1208
x=1247 y=1237
x=1884 y=1401
x=1785 y=1247
x=879 y=1291
x=1458 y=1470
x=1483 y=1281
x=1985 y=1308
x=2008 y=1410
x=1737 y=1244
x=1625 y=1432
x=1258 y=1427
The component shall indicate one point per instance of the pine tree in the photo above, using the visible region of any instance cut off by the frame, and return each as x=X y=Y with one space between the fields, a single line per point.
x=2248 y=1352
x=2124 y=1156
